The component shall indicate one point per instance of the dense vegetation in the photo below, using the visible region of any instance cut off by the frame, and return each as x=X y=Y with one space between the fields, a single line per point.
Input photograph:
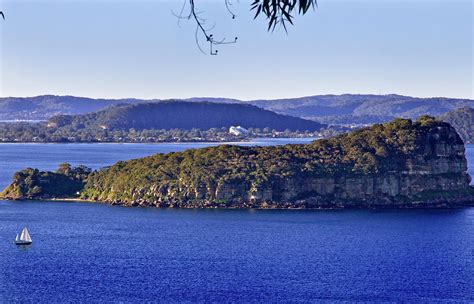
x=30 y=183
x=159 y=122
x=463 y=121
x=329 y=109
x=194 y=173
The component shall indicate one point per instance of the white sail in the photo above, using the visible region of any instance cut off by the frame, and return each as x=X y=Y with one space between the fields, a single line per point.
x=25 y=235
x=17 y=237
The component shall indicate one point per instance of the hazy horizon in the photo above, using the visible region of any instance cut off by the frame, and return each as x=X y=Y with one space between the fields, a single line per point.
x=232 y=98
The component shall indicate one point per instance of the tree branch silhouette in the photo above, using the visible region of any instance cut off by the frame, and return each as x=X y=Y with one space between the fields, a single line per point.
x=194 y=14
x=277 y=12
x=281 y=11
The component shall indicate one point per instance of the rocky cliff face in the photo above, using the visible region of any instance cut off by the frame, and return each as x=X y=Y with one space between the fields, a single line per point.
x=398 y=164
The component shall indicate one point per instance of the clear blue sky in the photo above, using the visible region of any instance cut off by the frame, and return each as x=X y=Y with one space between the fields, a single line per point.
x=120 y=49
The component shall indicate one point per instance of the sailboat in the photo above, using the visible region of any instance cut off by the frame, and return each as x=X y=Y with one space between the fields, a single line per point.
x=24 y=238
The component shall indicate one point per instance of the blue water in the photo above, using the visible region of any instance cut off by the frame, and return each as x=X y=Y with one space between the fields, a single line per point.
x=84 y=252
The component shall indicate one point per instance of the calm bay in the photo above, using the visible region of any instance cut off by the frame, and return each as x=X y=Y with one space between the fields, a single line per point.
x=85 y=252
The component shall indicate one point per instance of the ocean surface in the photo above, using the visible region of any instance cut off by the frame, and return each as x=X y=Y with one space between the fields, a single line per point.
x=85 y=252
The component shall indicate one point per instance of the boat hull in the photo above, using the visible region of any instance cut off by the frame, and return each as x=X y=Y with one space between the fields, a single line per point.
x=22 y=243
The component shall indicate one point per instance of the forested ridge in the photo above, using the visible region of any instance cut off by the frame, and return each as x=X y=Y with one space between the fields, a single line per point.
x=329 y=109
x=184 y=115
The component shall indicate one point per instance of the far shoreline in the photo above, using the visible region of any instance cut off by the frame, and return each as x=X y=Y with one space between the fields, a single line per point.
x=249 y=140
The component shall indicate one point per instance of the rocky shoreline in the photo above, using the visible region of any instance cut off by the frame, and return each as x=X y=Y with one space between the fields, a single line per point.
x=309 y=204
x=432 y=204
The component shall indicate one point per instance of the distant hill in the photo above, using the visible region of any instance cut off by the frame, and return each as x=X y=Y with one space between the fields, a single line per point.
x=330 y=109
x=183 y=115
x=46 y=106
x=463 y=121
x=362 y=109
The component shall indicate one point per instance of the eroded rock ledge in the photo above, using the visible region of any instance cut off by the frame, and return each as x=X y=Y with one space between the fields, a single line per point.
x=398 y=164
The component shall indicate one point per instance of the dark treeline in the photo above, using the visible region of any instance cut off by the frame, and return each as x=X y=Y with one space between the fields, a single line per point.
x=39 y=132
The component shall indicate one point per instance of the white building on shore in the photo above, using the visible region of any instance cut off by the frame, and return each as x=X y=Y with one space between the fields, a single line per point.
x=237 y=131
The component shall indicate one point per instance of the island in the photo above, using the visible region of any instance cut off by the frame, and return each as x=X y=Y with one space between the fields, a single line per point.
x=400 y=164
